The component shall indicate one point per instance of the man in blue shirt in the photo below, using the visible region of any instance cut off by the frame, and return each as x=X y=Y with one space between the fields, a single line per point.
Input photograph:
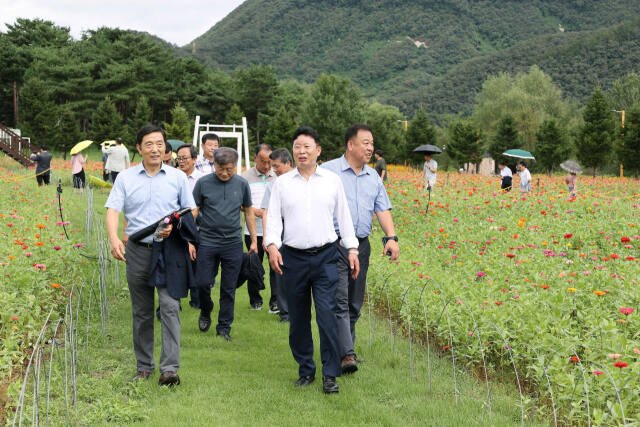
x=146 y=193
x=366 y=195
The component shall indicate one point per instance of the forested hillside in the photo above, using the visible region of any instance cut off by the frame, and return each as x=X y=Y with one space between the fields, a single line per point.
x=418 y=52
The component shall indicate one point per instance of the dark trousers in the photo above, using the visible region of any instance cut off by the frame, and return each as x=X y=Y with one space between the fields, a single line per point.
x=350 y=295
x=506 y=183
x=305 y=275
x=113 y=175
x=43 y=178
x=281 y=294
x=79 y=179
x=252 y=285
x=209 y=260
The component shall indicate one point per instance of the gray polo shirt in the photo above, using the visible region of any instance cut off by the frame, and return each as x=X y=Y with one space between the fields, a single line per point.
x=219 y=209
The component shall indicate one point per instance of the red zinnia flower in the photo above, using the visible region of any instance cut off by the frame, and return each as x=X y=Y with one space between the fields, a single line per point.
x=625 y=239
x=575 y=359
x=620 y=365
x=568 y=235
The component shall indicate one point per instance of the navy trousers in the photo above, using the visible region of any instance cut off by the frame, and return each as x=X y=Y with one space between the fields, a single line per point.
x=209 y=260
x=316 y=274
x=252 y=285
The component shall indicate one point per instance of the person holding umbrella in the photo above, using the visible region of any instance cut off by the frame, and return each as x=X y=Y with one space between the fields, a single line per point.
x=430 y=165
x=77 y=169
x=506 y=176
x=571 y=179
x=525 y=177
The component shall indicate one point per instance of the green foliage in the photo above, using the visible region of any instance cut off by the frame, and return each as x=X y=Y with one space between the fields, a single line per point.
x=629 y=154
x=387 y=130
x=625 y=92
x=254 y=88
x=419 y=132
x=234 y=116
x=596 y=137
x=464 y=142
x=552 y=145
x=334 y=104
x=38 y=118
x=181 y=124
x=68 y=131
x=506 y=138
x=106 y=122
x=281 y=128
x=141 y=117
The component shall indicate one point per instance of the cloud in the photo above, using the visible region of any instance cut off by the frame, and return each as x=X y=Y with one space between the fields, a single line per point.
x=178 y=22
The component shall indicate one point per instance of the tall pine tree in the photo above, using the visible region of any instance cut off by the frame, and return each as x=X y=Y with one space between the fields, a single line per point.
x=68 y=131
x=464 y=142
x=419 y=132
x=595 y=140
x=506 y=138
x=280 y=130
x=106 y=123
x=629 y=153
x=552 y=145
x=180 y=126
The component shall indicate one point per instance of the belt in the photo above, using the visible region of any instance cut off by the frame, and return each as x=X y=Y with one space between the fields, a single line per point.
x=145 y=245
x=311 y=251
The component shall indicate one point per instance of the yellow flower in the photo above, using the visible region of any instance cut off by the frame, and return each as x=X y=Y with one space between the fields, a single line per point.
x=571 y=289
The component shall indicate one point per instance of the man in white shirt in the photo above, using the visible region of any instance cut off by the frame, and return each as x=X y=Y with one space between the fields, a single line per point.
x=117 y=160
x=258 y=177
x=304 y=202
x=204 y=162
x=525 y=177
x=506 y=176
x=186 y=163
x=429 y=170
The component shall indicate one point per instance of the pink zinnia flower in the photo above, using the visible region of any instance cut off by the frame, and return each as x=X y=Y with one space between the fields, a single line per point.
x=57 y=248
x=626 y=311
x=78 y=245
x=597 y=372
x=481 y=274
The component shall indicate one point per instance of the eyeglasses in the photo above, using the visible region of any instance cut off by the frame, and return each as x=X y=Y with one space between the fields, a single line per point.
x=183 y=159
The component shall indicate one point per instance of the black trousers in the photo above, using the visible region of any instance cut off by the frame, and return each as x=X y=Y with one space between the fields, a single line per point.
x=113 y=175
x=79 y=179
x=304 y=275
x=506 y=183
x=252 y=285
x=43 y=178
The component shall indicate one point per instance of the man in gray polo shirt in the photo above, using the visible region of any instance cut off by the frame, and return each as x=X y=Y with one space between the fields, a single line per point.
x=219 y=198
x=258 y=177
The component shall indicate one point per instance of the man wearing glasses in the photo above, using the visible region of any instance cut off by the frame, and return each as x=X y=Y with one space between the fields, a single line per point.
x=186 y=163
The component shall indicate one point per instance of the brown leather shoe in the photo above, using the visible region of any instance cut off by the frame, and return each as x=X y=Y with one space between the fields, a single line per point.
x=349 y=364
x=142 y=375
x=169 y=378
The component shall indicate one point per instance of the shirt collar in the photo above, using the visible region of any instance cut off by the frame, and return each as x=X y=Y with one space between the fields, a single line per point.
x=344 y=166
x=319 y=171
x=141 y=168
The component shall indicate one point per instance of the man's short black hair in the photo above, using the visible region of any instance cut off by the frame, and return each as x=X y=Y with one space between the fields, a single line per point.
x=225 y=155
x=261 y=147
x=167 y=147
x=522 y=163
x=281 y=154
x=309 y=131
x=353 y=131
x=193 y=152
x=211 y=136
x=146 y=130
x=378 y=152
x=119 y=141
x=43 y=147
x=501 y=162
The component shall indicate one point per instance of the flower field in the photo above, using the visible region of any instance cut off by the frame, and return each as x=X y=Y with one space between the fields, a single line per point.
x=38 y=265
x=534 y=288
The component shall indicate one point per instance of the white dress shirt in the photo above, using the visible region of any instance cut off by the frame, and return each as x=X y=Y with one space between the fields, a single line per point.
x=506 y=172
x=307 y=208
x=193 y=178
x=118 y=159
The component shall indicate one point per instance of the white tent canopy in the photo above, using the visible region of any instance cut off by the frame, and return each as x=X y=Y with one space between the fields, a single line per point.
x=238 y=132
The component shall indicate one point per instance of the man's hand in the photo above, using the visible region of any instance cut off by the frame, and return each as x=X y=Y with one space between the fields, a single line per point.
x=258 y=212
x=354 y=265
x=192 y=251
x=254 y=246
x=117 y=249
x=165 y=233
x=275 y=258
x=125 y=238
x=393 y=247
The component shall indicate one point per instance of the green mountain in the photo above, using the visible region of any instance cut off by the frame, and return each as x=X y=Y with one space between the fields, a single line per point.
x=436 y=53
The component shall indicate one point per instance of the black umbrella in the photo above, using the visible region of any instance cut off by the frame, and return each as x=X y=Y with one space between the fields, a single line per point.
x=427 y=149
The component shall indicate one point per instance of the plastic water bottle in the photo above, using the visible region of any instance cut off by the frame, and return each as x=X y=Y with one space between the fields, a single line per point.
x=163 y=224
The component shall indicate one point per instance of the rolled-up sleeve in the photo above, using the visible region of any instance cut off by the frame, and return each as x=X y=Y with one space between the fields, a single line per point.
x=343 y=216
x=116 y=196
x=382 y=202
x=273 y=234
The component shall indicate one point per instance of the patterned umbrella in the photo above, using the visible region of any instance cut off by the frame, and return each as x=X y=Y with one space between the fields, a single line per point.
x=571 y=166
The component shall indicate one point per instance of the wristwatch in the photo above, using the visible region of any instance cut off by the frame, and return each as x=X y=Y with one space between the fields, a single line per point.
x=392 y=238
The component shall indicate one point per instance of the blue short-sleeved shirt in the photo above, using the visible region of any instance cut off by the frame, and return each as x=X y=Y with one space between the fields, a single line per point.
x=146 y=199
x=365 y=193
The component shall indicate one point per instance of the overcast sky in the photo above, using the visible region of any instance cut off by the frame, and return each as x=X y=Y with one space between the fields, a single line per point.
x=176 y=21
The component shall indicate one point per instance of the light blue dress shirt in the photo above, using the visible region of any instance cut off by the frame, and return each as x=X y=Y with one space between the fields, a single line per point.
x=145 y=199
x=365 y=193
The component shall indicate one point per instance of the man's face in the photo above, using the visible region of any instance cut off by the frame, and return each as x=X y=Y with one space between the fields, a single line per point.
x=263 y=162
x=209 y=146
x=360 y=147
x=305 y=151
x=225 y=172
x=185 y=161
x=500 y=167
x=427 y=157
x=167 y=158
x=280 y=168
x=151 y=148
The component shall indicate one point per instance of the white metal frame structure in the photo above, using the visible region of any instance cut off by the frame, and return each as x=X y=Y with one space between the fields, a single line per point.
x=239 y=132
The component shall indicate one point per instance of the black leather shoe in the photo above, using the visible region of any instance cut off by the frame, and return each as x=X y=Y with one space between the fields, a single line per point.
x=224 y=335
x=195 y=304
x=204 y=323
x=142 y=375
x=304 y=381
x=329 y=385
x=169 y=378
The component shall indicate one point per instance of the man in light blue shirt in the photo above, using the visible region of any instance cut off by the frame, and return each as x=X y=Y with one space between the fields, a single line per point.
x=366 y=195
x=146 y=193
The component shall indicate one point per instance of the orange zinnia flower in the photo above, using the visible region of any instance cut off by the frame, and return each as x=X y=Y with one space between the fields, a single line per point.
x=55 y=285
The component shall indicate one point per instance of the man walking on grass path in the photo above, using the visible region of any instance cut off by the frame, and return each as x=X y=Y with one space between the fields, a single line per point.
x=147 y=192
x=304 y=202
x=366 y=195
